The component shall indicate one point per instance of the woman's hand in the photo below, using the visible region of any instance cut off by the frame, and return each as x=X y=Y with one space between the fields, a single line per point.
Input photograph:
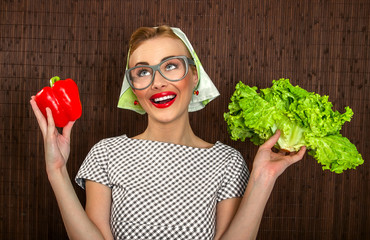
x=272 y=164
x=267 y=167
x=57 y=146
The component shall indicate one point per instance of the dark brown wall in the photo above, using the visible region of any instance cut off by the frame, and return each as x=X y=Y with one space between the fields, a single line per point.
x=322 y=46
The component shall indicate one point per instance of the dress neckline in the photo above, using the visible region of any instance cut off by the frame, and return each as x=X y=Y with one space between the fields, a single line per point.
x=173 y=144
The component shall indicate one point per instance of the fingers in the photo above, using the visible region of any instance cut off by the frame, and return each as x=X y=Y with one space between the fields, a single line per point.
x=272 y=140
x=51 y=124
x=295 y=157
x=67 y=130
x=48 y=124
x=301 y=152
x=39 y=116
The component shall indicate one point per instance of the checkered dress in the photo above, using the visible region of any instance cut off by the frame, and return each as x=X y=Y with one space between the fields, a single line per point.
x=163 y=190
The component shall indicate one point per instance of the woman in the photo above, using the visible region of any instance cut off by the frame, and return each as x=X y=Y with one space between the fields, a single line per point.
x=165 y=183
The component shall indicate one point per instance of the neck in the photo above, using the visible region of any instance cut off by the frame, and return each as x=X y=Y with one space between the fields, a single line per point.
x=177 y=132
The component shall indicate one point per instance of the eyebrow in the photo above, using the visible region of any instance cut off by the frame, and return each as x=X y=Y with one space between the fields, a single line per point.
x=146 y=63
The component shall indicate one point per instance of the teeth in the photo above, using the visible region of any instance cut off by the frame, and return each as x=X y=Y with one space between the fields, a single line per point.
x=163 y=98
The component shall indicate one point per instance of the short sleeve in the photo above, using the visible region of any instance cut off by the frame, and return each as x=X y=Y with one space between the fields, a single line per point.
x=95 y=166
x=235 y=179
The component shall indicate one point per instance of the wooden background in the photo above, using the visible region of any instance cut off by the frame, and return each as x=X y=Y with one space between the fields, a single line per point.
x=323 y=46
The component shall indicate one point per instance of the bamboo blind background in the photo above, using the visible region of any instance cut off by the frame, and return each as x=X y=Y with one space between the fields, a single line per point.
x=323 y=46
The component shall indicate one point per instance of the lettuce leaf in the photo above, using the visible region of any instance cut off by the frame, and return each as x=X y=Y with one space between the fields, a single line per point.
x=304 y=118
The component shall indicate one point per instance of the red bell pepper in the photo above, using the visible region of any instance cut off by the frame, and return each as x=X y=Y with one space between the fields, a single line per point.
x=62 y=98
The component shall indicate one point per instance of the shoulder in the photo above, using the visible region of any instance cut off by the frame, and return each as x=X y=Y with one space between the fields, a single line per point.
x=111 y=141
x=233 y=156
x=225 y=155
x=106 y=146
x=219 y=146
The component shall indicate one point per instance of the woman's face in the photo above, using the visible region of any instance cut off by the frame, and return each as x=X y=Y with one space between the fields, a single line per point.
x=152 y=52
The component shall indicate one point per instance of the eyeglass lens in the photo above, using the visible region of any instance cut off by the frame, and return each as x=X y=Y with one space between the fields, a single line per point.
x=173 y=69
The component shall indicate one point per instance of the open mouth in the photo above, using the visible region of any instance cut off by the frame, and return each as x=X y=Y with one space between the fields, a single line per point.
x=163 y=100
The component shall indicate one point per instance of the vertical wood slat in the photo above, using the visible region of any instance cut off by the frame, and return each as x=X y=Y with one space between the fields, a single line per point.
x=322 y=46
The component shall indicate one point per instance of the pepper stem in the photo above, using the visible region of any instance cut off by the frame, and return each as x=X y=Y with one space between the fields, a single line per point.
x=53 y=80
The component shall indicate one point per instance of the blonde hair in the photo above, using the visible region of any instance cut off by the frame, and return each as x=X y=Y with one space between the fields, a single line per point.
x=145 y=33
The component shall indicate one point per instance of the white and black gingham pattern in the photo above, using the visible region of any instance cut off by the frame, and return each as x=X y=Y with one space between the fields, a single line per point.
x=163 y=190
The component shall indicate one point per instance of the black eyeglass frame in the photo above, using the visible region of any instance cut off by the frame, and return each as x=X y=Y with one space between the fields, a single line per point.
x=156 y=68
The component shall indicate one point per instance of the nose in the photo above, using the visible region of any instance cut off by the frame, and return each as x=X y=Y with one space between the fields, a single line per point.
x=159 y=81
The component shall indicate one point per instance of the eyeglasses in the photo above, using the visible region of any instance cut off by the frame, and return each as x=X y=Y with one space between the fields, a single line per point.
x=173 y=69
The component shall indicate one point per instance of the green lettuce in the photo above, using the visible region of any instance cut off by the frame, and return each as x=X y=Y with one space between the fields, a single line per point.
x=304 y=119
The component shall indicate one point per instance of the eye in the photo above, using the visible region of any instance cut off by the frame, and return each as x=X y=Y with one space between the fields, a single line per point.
x=171 y=66
x=142 y=72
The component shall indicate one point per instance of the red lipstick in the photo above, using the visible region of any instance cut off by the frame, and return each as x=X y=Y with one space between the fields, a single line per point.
x=163 y=99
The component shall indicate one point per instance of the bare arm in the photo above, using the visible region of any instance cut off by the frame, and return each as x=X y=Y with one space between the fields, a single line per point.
x=267 y=167
x=225 y=212
x=76 y=221
x=57 y=148
x=98 y=205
